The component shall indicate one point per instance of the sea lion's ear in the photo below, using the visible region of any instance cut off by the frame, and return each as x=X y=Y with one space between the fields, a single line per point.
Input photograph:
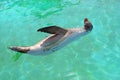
x=53 y=30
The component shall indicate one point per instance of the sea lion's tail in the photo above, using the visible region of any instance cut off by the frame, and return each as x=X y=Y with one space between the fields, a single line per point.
x=20 y=49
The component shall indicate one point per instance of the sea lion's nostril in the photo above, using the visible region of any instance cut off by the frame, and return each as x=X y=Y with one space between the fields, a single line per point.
x=85 y=20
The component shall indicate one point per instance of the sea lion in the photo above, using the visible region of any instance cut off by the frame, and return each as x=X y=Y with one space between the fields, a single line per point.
x=59 y=38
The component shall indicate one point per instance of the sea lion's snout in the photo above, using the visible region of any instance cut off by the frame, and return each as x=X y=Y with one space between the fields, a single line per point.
x=87 y=25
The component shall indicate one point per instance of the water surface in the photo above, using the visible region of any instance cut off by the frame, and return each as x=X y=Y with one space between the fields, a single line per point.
x=95 y=56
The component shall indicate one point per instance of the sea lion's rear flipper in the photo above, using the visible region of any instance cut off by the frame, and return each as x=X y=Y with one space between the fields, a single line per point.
x=20 y=49
x=53 y=30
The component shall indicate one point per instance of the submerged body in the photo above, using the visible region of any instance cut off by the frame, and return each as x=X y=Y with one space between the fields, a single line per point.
x=59 y=38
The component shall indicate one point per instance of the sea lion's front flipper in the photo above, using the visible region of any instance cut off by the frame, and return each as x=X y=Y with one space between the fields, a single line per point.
x=53 y=30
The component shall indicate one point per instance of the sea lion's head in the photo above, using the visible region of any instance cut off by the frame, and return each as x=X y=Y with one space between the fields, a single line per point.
x=87 y=25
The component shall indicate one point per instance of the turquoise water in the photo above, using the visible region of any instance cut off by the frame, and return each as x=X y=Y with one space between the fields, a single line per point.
x=95 y=56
